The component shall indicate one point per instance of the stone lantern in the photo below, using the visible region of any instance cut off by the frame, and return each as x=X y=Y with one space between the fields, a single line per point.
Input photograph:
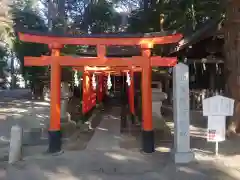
x=65 y=96
x=157 y=97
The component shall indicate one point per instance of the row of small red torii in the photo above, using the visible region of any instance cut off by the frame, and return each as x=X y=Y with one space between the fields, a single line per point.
x=142 y=63
x=90 y=96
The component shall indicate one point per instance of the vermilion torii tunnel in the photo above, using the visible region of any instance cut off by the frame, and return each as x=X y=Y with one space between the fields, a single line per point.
x=142 y=63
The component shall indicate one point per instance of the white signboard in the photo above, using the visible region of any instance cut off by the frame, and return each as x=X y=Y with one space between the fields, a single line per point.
x=218 y=106
x=216 y=130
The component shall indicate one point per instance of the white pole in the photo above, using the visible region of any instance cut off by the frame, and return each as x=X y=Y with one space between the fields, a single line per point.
x=15 y=149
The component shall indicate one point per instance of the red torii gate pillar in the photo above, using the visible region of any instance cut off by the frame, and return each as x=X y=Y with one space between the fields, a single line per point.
x=147 y=124
x=55 y=135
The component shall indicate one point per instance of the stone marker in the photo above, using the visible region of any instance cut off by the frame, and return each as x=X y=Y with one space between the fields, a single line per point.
x=15 y=149
x=182 y=151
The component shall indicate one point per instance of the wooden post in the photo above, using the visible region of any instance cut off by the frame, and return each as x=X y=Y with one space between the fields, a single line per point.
x=85 y=93
x=147 y=125
x=99 y=88
x=55 y=136
x=131 y=97
x=123 y=104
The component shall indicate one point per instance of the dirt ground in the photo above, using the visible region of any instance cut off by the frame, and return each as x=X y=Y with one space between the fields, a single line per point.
x=132 y=138
x=27 y=111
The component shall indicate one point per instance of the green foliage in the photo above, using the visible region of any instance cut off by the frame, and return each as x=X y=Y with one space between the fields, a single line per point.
x=95 y=16
x=3 y=66
x=99 y=17
x=6 y=32
x=27 y=18
x=6 y=37
x=182 y=16
x=2 y=52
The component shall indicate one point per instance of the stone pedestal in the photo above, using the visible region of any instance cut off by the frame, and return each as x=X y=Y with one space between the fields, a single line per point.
x=182 y=151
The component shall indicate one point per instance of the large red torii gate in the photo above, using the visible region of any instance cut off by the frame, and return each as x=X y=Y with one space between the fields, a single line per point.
x=144 y=62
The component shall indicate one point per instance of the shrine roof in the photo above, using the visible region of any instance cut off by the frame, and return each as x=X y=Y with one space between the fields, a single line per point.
x=209 y=28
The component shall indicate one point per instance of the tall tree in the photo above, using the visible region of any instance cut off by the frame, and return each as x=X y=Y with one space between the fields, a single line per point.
x=6 y=38
x=232 y=62
x=57 y=16
x=99 y=16
x=5 y=23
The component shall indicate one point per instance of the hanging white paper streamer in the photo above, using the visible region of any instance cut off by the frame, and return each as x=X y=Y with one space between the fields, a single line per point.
x=109 y=83
x=128 y=81
x=76 y=80
x=94 y=84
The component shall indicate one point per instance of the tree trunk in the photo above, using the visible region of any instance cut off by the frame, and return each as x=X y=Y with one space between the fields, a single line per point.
x=12 y=73
x=62 y=15
x=52 y=13
x=232 y=62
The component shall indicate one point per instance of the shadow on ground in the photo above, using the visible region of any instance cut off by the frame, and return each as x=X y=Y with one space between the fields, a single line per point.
x=25 y=113
x=118 y=164
x=115 y=164
x=228 y=148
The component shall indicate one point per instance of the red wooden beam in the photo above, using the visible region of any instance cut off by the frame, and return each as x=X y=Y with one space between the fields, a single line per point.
x=95 y=61
x=142 y=41
x=81 y=61
x=119 y=69
x=37 y=61
x=163 y=61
